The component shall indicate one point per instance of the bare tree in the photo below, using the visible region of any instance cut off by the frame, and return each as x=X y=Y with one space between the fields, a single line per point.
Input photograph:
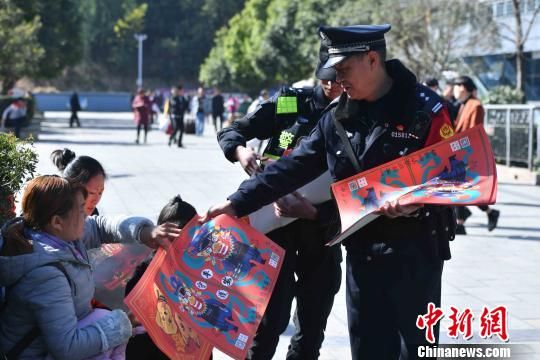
x=427 y=34
x=519 y=40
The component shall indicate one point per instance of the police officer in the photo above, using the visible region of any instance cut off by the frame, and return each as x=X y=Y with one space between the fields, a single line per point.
x=394 y=264
x=285 y=119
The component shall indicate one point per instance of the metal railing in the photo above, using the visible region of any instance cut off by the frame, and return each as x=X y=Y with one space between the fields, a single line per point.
x=514 y=133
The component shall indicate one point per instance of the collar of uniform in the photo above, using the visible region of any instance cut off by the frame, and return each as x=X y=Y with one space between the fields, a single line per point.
x=320 y=99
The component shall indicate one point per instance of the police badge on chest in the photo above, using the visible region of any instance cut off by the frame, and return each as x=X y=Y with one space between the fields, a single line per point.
x=400 y=133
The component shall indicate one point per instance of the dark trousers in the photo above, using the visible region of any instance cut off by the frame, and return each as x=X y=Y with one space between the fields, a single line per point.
x=139 y=126
x=385 y=295
x=178 y=125
x=16 y=124
x=319 y=276
x=74 y=118
x=218 y=124
x=462 y=213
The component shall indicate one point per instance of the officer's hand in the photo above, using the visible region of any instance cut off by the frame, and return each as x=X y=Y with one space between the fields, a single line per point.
x=394 y=209
x=224 y=208
x=248 y=159
x=296 y=206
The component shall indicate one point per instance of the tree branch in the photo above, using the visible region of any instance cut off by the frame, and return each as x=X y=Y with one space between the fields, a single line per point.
x=535 y=13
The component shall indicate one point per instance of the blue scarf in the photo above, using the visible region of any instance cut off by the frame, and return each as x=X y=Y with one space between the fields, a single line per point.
x=55 y=243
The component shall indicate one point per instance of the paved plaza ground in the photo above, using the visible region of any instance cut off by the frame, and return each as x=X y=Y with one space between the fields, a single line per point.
x=487 y=268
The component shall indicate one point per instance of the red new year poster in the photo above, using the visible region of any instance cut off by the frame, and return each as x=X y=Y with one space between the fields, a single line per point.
x=113 y=265
x=215 y=282
x=457 y=171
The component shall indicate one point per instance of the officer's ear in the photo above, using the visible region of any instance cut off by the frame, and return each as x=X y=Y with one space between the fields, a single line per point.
x=373 y=59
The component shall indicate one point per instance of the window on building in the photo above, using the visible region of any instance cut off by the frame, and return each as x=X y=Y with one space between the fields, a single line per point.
x=508 y=8
x=498 y=9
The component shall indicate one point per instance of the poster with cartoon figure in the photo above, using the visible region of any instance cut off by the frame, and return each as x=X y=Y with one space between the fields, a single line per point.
x=113 y=265
x=457 y=171
x=151 y=306
x=217 y=278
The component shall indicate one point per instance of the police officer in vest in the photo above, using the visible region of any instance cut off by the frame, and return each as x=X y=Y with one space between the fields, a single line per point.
x=394 y=264
x=285 y=119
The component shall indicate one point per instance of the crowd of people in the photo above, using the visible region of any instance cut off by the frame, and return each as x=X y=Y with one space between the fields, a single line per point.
x=338 y=128
x=177 y=107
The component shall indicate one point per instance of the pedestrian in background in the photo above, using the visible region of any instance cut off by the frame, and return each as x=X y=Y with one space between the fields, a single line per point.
x=232 y=107
x=75 y=106
x=141 y=111
x=14 y=116
x=197 y=106
x=471 y=113
x=217 y=109
x=178 y=105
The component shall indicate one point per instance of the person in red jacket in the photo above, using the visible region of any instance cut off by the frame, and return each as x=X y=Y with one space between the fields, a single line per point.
x=141 y=111
x=470 y=114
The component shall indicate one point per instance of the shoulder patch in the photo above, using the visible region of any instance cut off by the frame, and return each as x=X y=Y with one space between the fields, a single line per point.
x=428 y=99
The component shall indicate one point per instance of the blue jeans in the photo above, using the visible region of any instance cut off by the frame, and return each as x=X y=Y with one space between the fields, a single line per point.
x=199 y=125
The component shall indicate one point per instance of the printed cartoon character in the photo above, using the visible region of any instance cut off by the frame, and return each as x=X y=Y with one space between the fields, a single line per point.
x=164 y=315
x=457 y=172
x=220 y=247
x=191 y=339
x=172 y=325
x=214 y=312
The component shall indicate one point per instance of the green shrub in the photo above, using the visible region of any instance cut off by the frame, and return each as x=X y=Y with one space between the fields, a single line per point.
x=504 y=95
x=18 y=161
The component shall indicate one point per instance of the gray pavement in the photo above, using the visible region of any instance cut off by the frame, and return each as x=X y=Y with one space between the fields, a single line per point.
x=487 y=268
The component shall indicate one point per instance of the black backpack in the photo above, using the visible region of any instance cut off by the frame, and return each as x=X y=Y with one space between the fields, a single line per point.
x=27 y=339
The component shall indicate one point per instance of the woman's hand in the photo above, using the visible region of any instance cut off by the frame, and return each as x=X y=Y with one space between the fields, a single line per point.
x=160 y=236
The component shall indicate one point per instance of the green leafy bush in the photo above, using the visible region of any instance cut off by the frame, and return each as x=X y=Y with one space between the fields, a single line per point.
x=18 y=161
x=504 y=95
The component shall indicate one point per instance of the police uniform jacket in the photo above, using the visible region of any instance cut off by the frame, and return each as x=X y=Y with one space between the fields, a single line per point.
x=409 y=117
x=263 y=123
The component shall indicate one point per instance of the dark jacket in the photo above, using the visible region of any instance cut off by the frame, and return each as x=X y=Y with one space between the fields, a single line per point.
x=263 y=123
x=178 y=105
x=217 y=105
x=74 y=103
x=372 y=128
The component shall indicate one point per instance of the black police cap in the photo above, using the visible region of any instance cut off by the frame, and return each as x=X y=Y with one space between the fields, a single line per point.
x=344 y=41
x=432 y=82
x=324 y=73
